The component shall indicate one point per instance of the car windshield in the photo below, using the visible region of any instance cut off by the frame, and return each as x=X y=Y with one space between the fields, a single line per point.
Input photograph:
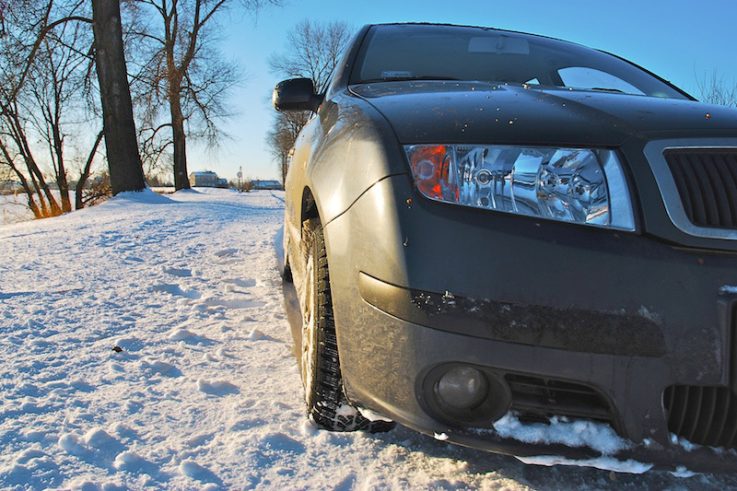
x=434 y=52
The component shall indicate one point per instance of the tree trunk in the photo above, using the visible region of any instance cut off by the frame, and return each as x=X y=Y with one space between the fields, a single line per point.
x=284 y=170
x=37 y=213
x=179 y=139
x=45 y=210
x=20 y=137
x=61 y=173
x=124 y=161
x=85 y=174
x=41 y=185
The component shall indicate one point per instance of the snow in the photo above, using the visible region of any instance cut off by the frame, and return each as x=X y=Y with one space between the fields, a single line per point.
x=681 y=471
x=14 y=207
x=598 y=436
x=372 y=415
x=603 y=463
x=145 y=346
x=683 y=442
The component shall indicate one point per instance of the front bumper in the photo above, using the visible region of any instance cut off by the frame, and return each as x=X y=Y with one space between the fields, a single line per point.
x=418 y=284
x=634 y=381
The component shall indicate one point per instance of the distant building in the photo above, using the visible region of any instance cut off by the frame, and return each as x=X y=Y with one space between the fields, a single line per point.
x=207 y=179
x=265 y=184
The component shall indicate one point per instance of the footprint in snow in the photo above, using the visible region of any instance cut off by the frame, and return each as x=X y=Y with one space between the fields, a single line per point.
x=256 y=335
x=128 y=344
x=95 y=442
x=281 y=443
x=123 y=431
x=25 y=457
x=349 y=482
x=108 y=238
x=241 y=282
x=100 y=440
x=195 y=471
x=229 y=252
x=231 y=303
x=217 y=387
x=188 y=337
x=161 y=368
x=199 y=440
x=32 y=470
x=247 y=424
x=32 y=435
x=71 y=444
x=176 y=290
x=180 y=272
x=134 y=463
x=81 y=386
x=274 y=448
x=150 y=223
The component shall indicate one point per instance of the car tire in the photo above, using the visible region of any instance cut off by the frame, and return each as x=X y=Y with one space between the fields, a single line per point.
x=327 y=404
x=286 y=274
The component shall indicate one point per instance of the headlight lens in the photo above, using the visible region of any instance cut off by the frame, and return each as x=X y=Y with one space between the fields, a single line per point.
x=578 y=185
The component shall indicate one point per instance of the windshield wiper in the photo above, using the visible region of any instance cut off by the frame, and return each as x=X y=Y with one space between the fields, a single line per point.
x=605 y=89
x=404 y=79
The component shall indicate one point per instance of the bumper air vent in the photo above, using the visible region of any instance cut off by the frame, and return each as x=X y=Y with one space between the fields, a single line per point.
x=537 y=399
x=702 y=415
x=706 y=180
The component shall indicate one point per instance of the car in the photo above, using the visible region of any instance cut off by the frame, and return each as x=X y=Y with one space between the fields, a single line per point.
x=518 y=244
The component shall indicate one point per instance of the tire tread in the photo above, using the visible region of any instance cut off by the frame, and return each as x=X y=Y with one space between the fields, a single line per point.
x=327 y=394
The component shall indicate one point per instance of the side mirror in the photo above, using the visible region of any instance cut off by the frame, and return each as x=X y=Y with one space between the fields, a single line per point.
x=296 y=94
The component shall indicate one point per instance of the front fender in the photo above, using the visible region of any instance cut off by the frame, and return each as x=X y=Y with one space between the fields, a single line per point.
x=352 y=148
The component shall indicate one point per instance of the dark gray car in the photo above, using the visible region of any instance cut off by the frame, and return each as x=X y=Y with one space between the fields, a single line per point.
x=486 y=226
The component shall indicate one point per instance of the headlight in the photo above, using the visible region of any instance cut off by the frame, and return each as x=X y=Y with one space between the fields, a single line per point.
x=578 y=185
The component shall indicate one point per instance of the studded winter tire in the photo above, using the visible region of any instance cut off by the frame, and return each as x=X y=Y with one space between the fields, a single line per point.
x=326 y=402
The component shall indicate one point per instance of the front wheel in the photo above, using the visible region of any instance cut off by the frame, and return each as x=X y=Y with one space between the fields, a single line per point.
x=326 y=402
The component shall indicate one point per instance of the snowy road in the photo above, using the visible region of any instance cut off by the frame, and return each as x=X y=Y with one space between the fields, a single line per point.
x=203 y=391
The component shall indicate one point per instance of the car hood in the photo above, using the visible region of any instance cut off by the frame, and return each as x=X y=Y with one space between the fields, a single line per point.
x=459 y=112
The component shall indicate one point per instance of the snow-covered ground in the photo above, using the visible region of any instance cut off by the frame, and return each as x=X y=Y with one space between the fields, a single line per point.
x=143 y=344
x=14 y=209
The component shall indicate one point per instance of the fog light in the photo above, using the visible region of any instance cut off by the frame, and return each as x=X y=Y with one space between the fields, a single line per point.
x=462 y=388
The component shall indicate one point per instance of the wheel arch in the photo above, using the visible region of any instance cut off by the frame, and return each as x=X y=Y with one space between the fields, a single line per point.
x=308 y=205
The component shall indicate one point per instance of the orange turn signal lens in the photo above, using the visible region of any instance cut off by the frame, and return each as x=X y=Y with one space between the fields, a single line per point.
x=431 y=168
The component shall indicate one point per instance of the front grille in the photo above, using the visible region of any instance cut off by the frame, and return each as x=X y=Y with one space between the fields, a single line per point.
x=702 y=415
x=536 y=398
x=707 y=184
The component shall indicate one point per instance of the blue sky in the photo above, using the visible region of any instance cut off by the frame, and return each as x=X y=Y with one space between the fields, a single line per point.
x=680 y=40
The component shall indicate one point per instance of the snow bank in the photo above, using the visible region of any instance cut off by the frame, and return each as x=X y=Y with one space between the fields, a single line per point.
x=146 y=196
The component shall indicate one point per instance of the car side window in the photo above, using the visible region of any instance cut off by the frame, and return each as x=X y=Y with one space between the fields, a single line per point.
x=590 y=78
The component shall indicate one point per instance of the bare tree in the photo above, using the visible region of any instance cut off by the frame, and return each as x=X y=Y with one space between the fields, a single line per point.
x=52 y=96
x=313 y=51
x=25 y=27
x=714 y=89
x=188 y=73
x=281 y=138
x=124 y=161
x=45 y=61
x=80 y=199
